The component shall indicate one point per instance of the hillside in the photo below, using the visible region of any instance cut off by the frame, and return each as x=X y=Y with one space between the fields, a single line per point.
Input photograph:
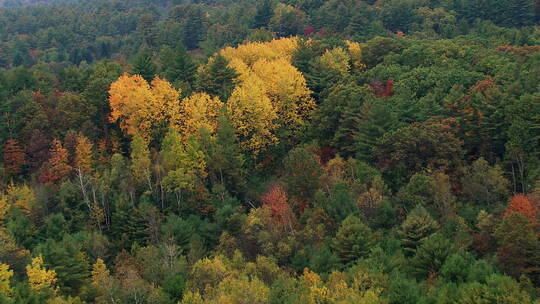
x=265 y=152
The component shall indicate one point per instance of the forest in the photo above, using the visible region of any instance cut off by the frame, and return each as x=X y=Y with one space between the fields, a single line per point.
x=269 y=151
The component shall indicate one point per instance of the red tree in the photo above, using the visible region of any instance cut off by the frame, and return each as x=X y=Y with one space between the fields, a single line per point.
x=523 y=205
x=276 y=200
x=57 y=167
x=14 y=157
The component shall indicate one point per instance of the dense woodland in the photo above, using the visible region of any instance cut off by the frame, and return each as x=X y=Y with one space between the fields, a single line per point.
x=270 y=152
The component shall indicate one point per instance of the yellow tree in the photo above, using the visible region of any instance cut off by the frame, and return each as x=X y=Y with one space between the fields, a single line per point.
x=198 y=111
x=140 y=107
x=251 y=52
x=165 y=104
x=336 y=59
x=128 y=97
x=84 y=158
x=83 y=155
x=355 y=52
x=103 y=282
x=38 y=276
x=253 y=115
x=21 y=197
x=287 y=89
x=5 y=276
x=4 y=208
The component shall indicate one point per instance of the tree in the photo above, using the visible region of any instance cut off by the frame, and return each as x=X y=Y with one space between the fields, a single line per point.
x=38 y=276
x=302 y=171
x=217 y=78
x=336 y=59
x=286 y=88
x=287 y=21
x=353 y=240
x=522 y=204
x=83 y=155
x=518 y=246
x=253 y=116
x=57 y=167
x=14 y=158
x=198 y=111
x=5 y=276
x=144 y=66
x=263 y=15
x=276 y=200
x=178 y=67
x=104 y=283
x=431 y=255
x=485 y=184
x=143 y=108
x=225 y=162
x=37 y=148
x=415 y=229
x=432 y=144
x=140 y=160
x=185 y=165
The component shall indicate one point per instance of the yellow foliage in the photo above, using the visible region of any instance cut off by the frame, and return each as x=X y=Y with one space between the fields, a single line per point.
x=239 y=291
x=139 y=107
x=21 y=197
x=355 y=52
x=83 y=155
x=4 y=207
x=198 y=111
x=240 y=67
x=207 y=273
x=38 y=276
x=253 y=115
x=251 y=52
x=287 y=89
x=128 y=97
x=5 y=276
x=336 y=59
x=192 y=298
x=99 y=272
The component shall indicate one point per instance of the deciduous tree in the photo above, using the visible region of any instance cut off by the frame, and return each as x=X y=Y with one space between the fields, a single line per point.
x=57 y=167
x=14 y=158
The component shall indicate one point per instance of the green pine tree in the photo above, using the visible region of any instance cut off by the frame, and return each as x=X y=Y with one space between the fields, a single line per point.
x=353 y=240
x=178 y=67
x=218 y=79
x=144 y=66
x=265 y=11
x=416 y=228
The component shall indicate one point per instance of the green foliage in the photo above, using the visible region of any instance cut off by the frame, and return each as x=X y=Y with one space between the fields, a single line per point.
x=418 y=226
x=431 y=118
x=353 y=240
x=431 y=256
x=218 y=78
x=143 y=65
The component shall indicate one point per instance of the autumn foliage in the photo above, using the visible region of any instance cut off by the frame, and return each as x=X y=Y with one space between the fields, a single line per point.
x=276 y=200
x=523 y=205
x=14 y=157
x=57 y=167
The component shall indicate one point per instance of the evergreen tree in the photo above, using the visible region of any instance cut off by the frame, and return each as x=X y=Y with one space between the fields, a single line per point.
x=128 y=225
x=353 y=240
x=416 y=228
x=178 y=67
x=431 y=256
x=225 y=161
x=265 y=11
x=144 y=66
x=218 y=78
x=66 y=258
